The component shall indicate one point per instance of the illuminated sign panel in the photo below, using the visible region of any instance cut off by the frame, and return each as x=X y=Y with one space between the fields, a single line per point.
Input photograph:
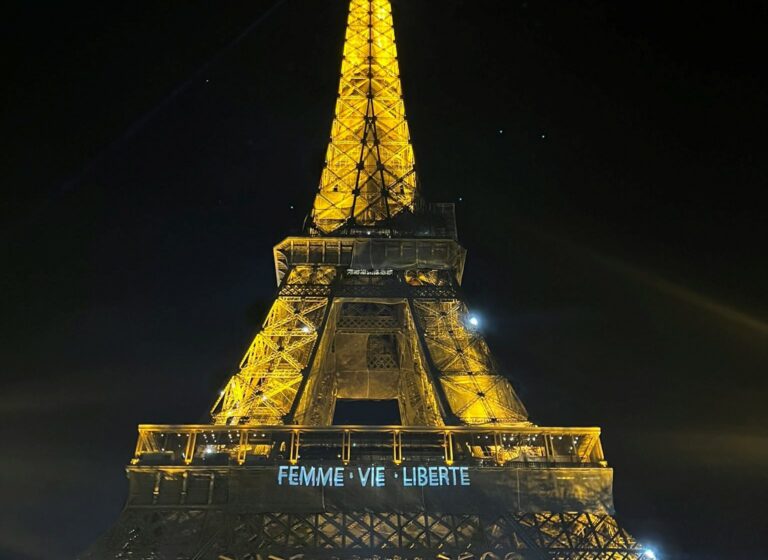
x=372 y=477
x=370 y=272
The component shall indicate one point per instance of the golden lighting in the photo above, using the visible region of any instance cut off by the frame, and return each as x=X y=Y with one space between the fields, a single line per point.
x=369 y=173
x=369 y=310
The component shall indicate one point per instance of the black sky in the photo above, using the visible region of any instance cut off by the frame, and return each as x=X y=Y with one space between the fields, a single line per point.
x=609 y=159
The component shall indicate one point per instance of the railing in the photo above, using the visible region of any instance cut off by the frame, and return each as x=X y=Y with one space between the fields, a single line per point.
x=219 y=445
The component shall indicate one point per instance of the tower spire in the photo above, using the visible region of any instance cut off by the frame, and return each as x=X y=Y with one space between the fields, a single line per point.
x=369 y=174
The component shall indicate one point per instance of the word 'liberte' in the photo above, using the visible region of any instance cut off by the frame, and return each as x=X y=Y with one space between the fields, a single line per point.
x=372 y=477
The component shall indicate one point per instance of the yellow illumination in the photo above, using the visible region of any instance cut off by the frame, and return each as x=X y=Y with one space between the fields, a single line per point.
x=369 y=173
x=367 y=312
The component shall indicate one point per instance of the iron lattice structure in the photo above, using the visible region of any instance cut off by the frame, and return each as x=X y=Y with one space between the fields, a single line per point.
x=369 y=308
x=369 y=536
x=369 y=175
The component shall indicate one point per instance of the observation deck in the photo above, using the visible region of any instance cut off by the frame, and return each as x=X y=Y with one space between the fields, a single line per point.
x=262 y=468
x=528 y=446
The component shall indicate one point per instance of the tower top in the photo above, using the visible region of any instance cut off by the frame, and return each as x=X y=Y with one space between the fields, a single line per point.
x=369 y=175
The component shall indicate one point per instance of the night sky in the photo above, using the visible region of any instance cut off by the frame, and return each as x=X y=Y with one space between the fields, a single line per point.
x=608 y=160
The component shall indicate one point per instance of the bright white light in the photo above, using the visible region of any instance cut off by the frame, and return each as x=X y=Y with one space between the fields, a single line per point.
x=474 y=321
x=649 y=554
x=305 y=329
x=209 y=449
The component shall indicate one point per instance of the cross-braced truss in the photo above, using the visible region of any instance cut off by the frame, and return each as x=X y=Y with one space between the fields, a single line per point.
x=278 y=361
x=475 y=391
x=219 y=535
x=369 y=175
x=369 y=349
x=264 y=389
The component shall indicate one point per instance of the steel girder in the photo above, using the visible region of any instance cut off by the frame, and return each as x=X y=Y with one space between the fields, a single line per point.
x=279 y=362
x=369 y=174
x=264 y=389
x=214 y=534
x=476 y=392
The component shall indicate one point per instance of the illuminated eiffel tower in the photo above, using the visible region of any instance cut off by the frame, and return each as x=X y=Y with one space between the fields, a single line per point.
x=368 y=418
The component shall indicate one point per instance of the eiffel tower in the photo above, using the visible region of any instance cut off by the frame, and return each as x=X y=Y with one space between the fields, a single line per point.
x=368 y=419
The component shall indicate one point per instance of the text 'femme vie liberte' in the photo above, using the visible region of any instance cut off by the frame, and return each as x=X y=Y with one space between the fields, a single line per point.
x=371 y=477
